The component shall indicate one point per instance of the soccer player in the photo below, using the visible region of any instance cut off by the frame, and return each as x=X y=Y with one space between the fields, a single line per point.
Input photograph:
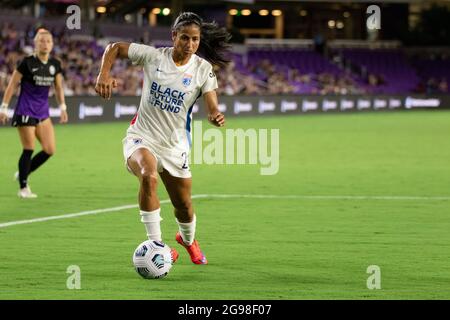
x=35 y=73
x=158 y=138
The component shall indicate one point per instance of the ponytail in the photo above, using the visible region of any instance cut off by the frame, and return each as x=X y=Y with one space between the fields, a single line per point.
x=214 y=40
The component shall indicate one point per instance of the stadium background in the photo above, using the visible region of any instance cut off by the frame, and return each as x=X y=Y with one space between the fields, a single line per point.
x=368 y=187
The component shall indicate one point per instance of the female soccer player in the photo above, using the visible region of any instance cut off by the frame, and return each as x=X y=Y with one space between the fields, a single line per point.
x=35 y=74
x=174 y=78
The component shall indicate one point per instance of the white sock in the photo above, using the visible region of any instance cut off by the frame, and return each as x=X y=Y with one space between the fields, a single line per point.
x=187 y=231
x=151 y=221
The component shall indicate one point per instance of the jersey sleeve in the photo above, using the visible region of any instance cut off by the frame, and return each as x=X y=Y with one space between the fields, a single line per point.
x=210 y=83
x=141 y=54
x=58 y=67
x=22 y=66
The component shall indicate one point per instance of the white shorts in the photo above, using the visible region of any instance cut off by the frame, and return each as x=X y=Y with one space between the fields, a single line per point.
x=175 y=162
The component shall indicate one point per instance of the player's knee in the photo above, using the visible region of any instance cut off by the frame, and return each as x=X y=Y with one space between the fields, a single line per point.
x=49 y=150
x=149 y=179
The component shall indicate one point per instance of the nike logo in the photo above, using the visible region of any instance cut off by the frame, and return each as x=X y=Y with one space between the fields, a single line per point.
x=34 y=69
x=159 y=70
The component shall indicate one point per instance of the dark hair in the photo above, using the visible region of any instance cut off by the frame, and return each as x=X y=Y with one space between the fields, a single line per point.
x=214 y=46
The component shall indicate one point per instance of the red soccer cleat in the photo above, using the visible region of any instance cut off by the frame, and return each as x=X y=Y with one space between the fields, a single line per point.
x=174 y=255
x=194 y=251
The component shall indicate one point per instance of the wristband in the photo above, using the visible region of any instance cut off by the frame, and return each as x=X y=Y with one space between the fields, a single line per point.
x=63 y=107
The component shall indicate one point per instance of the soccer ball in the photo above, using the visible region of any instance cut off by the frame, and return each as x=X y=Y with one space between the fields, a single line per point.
x=152 y=259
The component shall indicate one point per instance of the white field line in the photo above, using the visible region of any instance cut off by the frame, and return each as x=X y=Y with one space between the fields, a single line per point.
x=224 y=196
x=67 y=216
x=269 y=196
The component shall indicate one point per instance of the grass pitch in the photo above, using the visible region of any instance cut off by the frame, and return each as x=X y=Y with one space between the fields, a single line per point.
x=368 y=189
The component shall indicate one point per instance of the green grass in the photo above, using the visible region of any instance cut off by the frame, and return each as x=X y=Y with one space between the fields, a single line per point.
x=269 y=248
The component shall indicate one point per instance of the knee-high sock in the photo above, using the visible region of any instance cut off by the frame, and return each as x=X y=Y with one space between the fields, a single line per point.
x=24 y=167
x=152 y=223
x=38 y=160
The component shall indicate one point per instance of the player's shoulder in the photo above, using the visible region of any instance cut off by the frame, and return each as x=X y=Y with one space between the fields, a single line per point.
x=54 y=60
x=29 y=58
x=33 y=59
x=204 y=67
x=145 y=47
x=202 y=64
x=165 y=51
x=144 y=50
x=26 y=63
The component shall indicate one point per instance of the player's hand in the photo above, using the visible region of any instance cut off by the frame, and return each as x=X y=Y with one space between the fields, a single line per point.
x=104 y=86
x=3 y=118
x=217 y=119
x=64 y=117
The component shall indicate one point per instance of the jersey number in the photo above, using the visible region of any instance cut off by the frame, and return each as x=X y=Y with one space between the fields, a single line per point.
x=184 y=156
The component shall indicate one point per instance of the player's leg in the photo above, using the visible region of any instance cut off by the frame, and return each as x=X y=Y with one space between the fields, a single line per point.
x=45 y=133
x=143 y=164
x=27 y=137
x=179 y=190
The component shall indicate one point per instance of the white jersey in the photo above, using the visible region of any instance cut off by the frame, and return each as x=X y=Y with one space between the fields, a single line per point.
x=168 y=95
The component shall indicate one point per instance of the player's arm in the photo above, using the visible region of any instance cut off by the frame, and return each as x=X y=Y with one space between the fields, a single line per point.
x=105 y=83
x=212 y=108
x=59 y=94
x=10 y=89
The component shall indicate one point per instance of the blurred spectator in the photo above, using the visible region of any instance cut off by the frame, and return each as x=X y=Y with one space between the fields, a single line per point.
x=81 y=62
x=443 y=87
x=432 y=85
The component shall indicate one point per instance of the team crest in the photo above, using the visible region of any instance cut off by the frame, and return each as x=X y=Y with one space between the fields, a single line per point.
x=187 y=79
x=52 y=70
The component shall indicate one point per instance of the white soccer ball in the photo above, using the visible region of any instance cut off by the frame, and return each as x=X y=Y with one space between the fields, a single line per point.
x=152 y=259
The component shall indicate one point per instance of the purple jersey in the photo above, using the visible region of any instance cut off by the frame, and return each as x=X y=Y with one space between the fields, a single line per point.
x=37 y=77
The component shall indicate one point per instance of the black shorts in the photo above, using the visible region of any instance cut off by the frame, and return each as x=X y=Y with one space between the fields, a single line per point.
x=20 y=121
